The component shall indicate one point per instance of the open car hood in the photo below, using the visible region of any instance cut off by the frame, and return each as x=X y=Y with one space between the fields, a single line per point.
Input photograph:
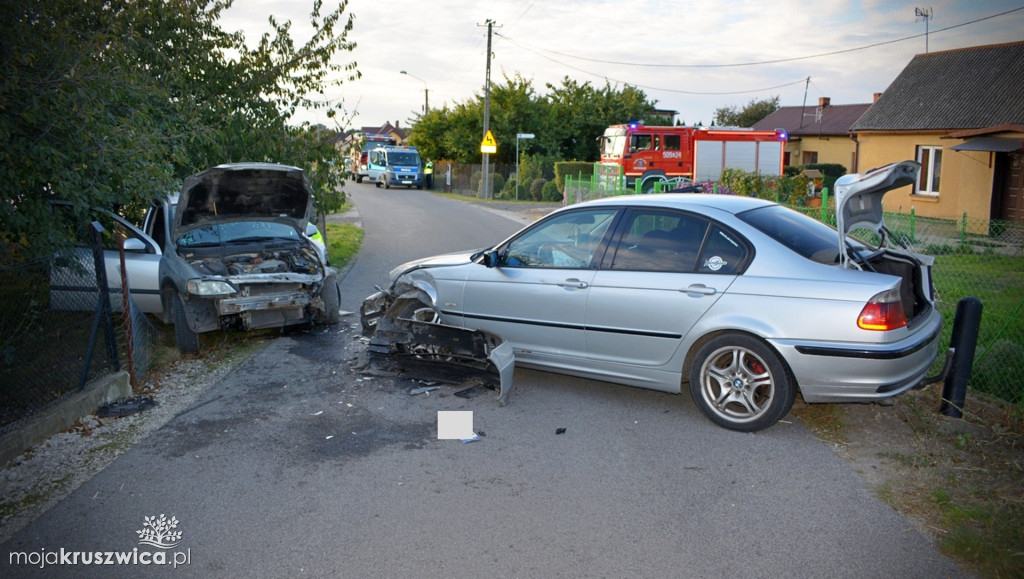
x=245 y=192
x=859 y=198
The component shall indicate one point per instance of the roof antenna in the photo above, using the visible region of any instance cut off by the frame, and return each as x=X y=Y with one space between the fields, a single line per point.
x=926 y=15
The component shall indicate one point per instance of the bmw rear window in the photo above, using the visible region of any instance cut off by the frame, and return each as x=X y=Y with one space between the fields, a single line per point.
x=802 y=234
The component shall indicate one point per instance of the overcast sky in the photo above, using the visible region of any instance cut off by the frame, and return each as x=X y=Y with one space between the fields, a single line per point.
x=691 y=56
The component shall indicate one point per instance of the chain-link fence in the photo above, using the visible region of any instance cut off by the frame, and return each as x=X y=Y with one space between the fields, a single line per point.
x=467 y=179
x=58 y=336
x=974 y=257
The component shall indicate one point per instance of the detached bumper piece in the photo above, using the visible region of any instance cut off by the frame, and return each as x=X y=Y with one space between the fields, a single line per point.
x=445 y=353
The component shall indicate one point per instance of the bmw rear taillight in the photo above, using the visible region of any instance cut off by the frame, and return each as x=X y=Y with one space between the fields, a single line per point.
x=883 y=312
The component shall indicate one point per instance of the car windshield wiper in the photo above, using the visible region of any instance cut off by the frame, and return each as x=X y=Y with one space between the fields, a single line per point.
x=258 y=239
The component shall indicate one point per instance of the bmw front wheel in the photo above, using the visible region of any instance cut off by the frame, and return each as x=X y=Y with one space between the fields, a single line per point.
x=740 y=383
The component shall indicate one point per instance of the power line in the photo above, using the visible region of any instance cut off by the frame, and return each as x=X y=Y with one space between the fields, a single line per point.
x=672 y=90
x=777 y=61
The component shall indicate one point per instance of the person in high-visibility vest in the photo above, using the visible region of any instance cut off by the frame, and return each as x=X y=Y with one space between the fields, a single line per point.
x=428 y=172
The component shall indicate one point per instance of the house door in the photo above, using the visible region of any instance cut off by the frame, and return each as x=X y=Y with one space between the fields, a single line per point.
x=1011 y=196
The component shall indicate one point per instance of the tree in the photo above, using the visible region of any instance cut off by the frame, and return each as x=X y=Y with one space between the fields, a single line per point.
x=749 y=115
x=567 y=122
x=109 y=103
x=582 y=114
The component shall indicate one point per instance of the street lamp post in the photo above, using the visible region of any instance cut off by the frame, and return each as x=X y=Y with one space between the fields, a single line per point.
x=426 y=93
x=519 y=180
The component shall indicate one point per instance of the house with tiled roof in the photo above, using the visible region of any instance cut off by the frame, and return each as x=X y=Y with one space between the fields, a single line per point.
x=818 y=134
x=960 y=113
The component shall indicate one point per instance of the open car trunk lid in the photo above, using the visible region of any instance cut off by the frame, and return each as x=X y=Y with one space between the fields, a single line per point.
x=859 y=200
x=859 y=206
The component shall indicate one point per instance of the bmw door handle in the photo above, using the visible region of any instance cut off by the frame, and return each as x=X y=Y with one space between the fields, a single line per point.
x=573 y=283
x=699 y=288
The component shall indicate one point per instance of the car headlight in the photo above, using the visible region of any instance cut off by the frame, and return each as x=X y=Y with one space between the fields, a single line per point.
x=205 y=287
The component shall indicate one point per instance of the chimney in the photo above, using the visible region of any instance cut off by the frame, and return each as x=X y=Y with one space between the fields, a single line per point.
x=396 y=124
x=824 y=101
x=878 y=95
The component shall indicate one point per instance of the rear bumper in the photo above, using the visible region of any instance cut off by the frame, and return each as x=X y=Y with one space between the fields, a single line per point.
x=835 y=372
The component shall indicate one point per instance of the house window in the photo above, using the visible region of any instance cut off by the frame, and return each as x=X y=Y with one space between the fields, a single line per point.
x=931 y=169
x=809 y=157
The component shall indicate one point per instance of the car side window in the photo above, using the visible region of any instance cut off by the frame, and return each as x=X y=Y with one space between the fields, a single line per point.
x=114 y=232
x=156 y=224
x=654 y=240
x=724 y=253
x=566 y=241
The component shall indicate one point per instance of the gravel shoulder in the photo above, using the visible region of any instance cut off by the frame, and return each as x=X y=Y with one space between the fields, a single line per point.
x=45 y=474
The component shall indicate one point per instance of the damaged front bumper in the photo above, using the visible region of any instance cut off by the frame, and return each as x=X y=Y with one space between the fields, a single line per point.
x=406 y=332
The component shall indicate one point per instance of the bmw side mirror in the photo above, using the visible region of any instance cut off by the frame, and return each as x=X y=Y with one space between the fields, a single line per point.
x=491 y=258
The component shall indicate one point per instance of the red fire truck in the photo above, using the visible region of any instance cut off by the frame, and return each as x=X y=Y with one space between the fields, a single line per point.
x=654 y=153
x=371 y=142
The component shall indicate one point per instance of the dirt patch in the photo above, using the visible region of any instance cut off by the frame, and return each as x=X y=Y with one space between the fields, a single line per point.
x=960 y=480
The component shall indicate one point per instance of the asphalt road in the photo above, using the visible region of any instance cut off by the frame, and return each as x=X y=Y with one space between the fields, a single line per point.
x=297 y=464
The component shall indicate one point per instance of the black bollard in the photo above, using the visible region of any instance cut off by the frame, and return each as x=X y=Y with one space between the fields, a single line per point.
x=963 y=341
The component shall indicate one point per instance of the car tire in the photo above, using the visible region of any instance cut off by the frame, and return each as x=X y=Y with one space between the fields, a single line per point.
x=377 y=183
x=740 y=383
x=359 y=178
x=331 y=296
x=186 y=340
x=387 y=183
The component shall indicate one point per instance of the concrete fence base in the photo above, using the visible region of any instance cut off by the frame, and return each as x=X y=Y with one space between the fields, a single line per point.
x=31 y=431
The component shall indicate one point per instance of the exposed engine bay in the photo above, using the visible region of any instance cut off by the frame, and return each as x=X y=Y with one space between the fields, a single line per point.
x=291 y=260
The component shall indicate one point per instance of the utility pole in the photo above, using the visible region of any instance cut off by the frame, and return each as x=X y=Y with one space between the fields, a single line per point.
x=486 y=183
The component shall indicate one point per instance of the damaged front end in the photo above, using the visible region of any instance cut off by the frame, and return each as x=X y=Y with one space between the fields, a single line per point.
x=407 y=333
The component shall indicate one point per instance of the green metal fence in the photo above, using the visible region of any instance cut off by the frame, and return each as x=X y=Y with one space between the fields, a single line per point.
x=974 y=256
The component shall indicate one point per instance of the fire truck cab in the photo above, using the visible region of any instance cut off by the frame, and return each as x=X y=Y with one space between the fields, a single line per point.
x=655 y=153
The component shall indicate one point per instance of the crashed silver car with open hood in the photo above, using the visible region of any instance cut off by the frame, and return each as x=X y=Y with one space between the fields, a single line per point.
x=240 y=257
x=740 y=300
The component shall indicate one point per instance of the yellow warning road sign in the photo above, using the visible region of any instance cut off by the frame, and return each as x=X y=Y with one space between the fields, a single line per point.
x=488 y=145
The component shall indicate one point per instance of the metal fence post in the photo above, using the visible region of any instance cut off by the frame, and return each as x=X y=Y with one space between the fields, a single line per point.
x=963 y=340
x=913 y=223
x=126 y=315
x=103 y=314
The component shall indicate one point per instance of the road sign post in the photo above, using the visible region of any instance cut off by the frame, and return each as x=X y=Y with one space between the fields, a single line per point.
x=488 y=146
x=518 y=180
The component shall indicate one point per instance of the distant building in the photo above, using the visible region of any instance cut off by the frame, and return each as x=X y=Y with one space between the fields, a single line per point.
x=960 y=113
x=818 y=134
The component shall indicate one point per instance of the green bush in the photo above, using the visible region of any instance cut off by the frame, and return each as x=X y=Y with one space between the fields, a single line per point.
x=551 y=192
x=789 y=190
x=572 y=168
x=537 y=188
x=497 y=182
x=831 y=171
x=508 y=191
